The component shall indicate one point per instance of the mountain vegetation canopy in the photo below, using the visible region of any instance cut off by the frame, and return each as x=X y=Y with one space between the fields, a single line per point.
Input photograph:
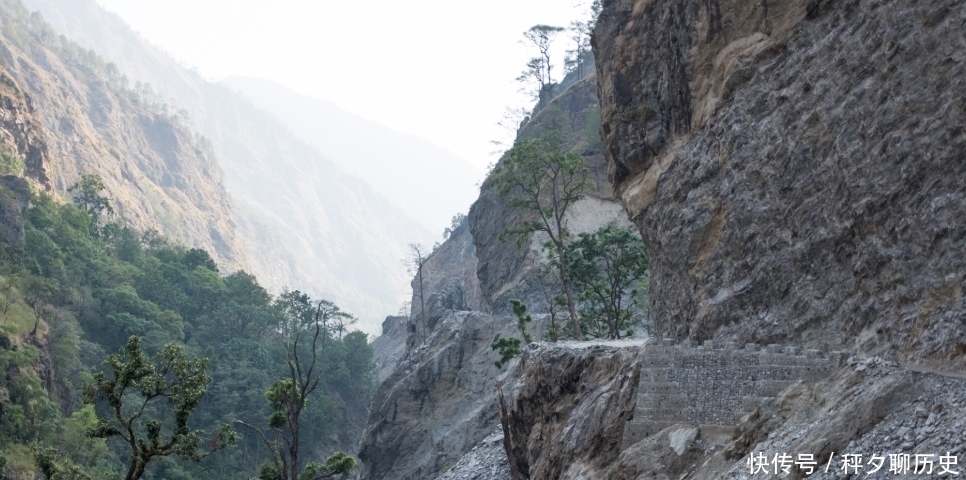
x=80 y=286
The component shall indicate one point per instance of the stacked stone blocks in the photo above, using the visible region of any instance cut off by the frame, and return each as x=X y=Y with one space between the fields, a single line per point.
x=716 y=383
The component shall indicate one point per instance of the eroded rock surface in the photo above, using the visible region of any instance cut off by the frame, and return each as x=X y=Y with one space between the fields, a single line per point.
x=439 y=402
x=21 y=131
x=568 y=415
x=796 y=167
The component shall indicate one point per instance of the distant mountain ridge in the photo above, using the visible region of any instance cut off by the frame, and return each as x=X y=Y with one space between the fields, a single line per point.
x=301 y=222
x=427 y=182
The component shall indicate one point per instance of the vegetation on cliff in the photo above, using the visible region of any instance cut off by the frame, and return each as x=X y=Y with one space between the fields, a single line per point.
x=597 y=277
x=79 y=288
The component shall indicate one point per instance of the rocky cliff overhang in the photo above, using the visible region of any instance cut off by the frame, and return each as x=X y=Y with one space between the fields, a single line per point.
x=797 y=167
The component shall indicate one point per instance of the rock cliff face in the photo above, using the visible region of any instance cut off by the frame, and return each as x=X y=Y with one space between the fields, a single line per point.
x=796 y=167
x=389 y=347
x=22 y=133
x=439 y=401
x=507 y=271
x=567 y=419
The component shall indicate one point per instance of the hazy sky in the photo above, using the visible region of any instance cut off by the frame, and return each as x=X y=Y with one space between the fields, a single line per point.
x=441 y=69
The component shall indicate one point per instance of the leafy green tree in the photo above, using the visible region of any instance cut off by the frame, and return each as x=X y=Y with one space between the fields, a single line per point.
x=27 y=414
x=133 y=389
x=509 y=347
x=539 y=179
x=55 y=468
x=288 y=398
x=87 y=196
x=94 y=287
x=609 y=269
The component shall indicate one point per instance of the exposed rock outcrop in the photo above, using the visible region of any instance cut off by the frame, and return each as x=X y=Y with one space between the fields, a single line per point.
x=389 y=348
x=796 y=167
x=572 y=400
x=21 y=131
x=440 y=400
x=450 y=274
x=568 y=415
x=875 y=411
x=797 y=180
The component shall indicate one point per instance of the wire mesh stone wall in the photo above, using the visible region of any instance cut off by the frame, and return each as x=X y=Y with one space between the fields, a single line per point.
x=715 y=384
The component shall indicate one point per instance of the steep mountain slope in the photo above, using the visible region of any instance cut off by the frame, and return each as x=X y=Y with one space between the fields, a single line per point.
x=303 y=223
x=426 y=182
x=158 y=174
x=306 y=220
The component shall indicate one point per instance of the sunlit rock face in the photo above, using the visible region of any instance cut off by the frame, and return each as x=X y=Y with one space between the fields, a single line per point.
x=21 y=133
x=796 y=167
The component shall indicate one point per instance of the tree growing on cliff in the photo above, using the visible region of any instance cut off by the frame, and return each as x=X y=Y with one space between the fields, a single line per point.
x=418 y=256
x=135 y=386
x=288 y=398
x=509 y=347
x=454 y=223
x=579 y=33
x=540 y=69
x=609 y=269
x=539 y=179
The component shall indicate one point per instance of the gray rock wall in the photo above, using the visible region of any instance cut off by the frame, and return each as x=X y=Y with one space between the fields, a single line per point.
x=439 y=402
x=389 y=348
x=796 y=167
x=578 y=406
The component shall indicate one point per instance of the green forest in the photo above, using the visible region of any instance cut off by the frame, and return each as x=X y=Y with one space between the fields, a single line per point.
x=210 y=366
